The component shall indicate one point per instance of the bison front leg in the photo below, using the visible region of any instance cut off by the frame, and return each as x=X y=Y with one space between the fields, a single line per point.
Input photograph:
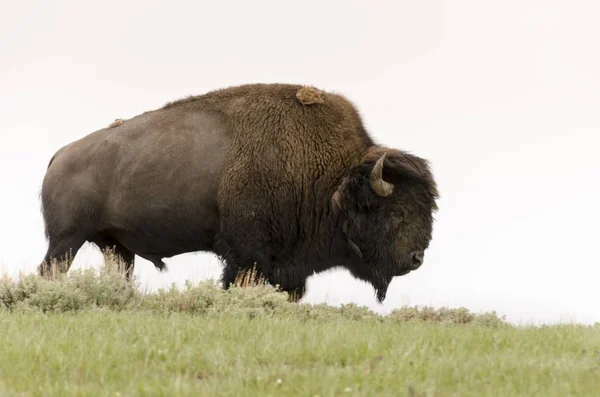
x=243 y=266
x=290 y=279
x=231 y=274
x=296 y=294
x=242 y=276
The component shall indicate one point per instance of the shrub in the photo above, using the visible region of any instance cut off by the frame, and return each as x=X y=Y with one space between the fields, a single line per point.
x=446 y=315
x=250 y=297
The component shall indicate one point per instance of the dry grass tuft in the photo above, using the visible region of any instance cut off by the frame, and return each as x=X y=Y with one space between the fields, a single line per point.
x=249 y=278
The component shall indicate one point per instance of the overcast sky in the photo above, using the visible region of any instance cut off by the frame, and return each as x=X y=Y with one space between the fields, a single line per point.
x=502 y=97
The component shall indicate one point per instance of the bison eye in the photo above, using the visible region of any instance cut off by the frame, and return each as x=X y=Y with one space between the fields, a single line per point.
x=397 y=219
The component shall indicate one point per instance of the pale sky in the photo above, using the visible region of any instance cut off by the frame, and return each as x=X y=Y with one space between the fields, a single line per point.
x=502 y=97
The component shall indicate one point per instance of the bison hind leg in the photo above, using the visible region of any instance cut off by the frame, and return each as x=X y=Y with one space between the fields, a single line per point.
x=60 y=255
x=112 y=248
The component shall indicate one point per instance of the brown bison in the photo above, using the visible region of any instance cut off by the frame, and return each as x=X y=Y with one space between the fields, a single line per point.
x=277 y=176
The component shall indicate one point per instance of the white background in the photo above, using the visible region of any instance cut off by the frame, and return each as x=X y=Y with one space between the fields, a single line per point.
x=502 y=97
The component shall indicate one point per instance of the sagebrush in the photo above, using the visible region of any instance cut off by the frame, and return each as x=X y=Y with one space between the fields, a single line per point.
x=106 y=288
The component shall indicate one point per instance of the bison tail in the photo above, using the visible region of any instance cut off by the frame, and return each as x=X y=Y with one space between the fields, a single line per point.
x=42 y=203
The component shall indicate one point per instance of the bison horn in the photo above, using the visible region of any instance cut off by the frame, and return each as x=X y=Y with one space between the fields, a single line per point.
x=336 y=202
x=381 y=187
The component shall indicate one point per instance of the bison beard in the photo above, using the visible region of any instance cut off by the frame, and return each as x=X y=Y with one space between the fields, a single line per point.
x=279 y=177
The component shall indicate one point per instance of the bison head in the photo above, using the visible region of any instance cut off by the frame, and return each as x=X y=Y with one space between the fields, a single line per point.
x=385 y=207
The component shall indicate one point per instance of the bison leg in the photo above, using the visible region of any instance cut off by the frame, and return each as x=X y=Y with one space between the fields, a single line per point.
x=59 y=256
x=225 y=250
x=291 y=280
x=238 y=261
x=296 y=294
x=125 y=260
x=230 y=273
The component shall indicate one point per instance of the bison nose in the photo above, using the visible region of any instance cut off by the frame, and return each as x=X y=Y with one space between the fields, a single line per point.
x=416 y=260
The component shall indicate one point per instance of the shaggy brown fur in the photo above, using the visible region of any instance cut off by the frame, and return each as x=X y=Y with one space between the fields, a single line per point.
x=291 y=169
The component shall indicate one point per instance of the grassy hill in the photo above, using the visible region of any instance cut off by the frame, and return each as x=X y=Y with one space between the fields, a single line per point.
x=90 y=334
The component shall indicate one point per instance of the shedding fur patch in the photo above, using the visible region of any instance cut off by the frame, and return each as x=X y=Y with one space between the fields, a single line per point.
x=116 y=123
x=309 y=95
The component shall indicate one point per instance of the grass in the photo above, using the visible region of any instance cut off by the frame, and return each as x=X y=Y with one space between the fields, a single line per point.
x=91 y=334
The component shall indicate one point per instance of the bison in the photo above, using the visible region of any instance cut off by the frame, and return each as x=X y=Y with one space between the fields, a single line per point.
x=281 y=177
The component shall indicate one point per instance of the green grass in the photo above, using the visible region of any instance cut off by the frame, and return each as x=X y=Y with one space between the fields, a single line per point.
x=93 y=335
